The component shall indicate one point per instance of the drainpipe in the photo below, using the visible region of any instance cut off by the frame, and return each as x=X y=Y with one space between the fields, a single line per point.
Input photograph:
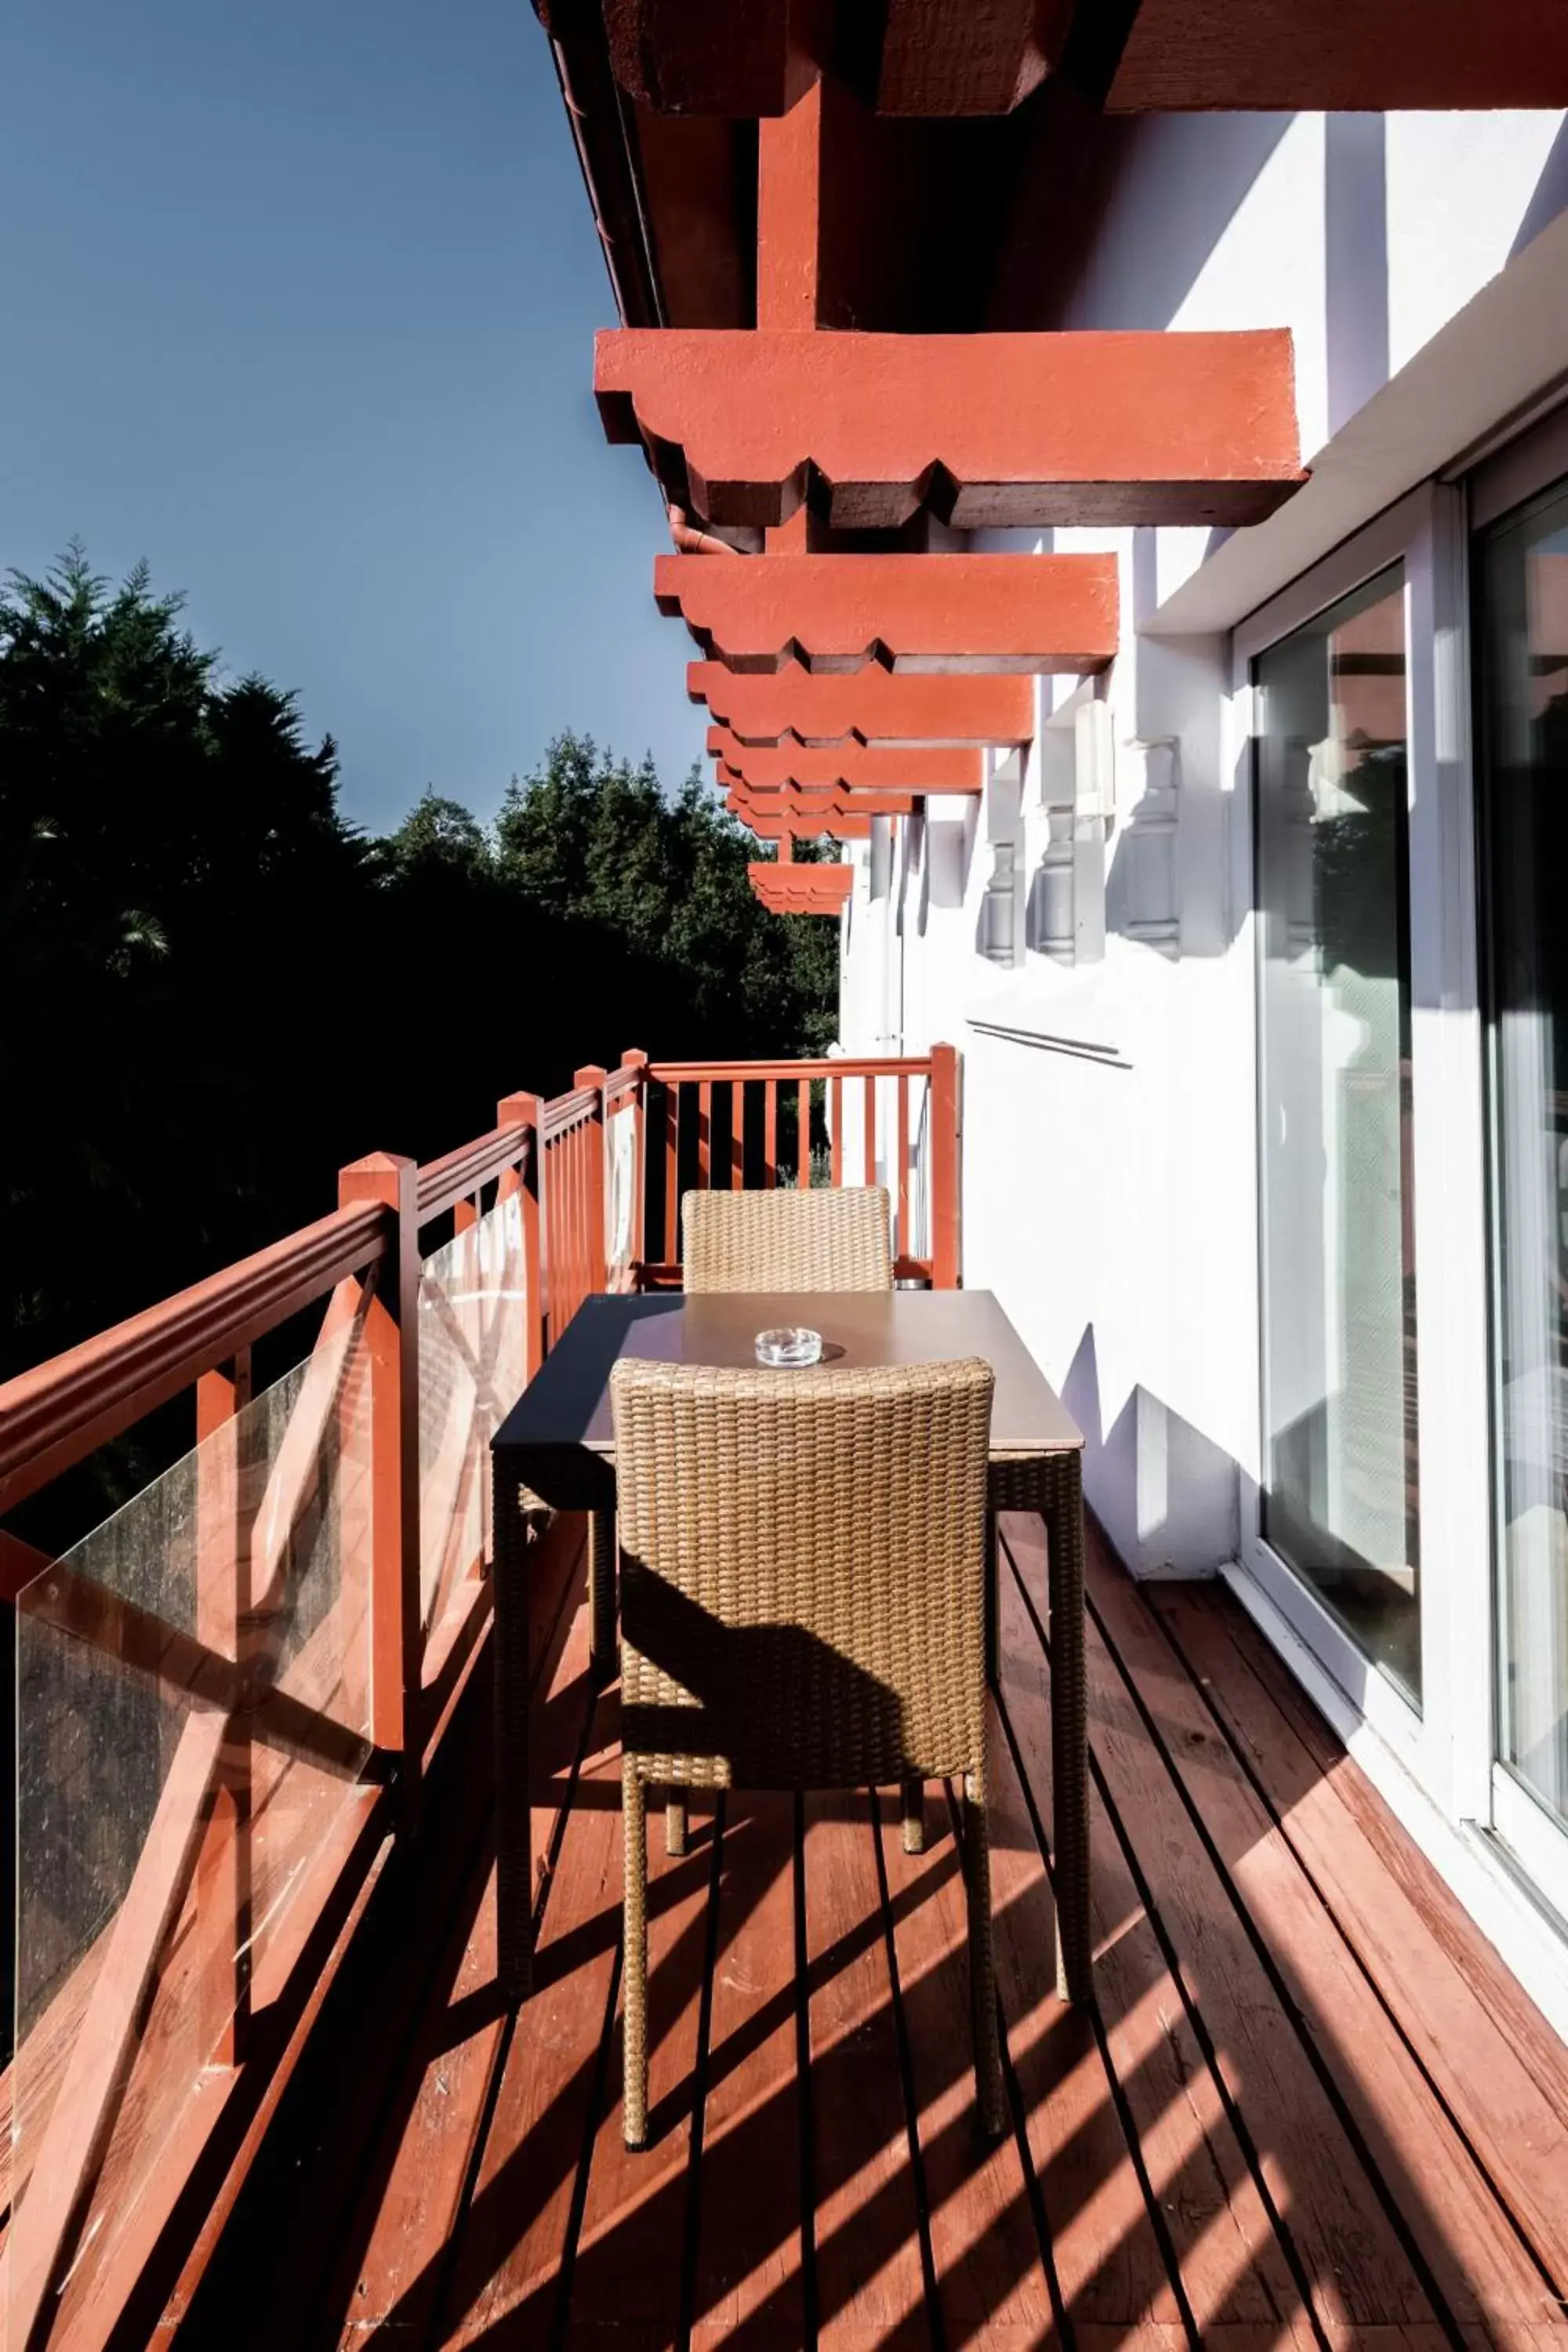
x=689 y=541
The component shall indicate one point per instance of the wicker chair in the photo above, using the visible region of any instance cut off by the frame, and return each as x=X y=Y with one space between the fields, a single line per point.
x=803 y=1558
x=787 y=1239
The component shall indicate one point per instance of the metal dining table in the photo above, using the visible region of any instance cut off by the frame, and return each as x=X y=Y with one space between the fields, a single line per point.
x=557 y=1445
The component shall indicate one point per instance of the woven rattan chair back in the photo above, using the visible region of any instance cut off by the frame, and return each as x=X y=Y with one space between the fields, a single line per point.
x=803 y=1580
x=787 y=1239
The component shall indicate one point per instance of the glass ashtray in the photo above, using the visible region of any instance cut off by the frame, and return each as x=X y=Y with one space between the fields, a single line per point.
x=790 y=1345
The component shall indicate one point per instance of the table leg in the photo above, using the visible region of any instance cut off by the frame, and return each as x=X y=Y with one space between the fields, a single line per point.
x=514 y=1825
x=1063 y=1515
x=602 y=1658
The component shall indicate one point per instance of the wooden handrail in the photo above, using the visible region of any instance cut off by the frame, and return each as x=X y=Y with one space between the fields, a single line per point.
x=563 y=1112
x=59 y=1412
x=458 y=1174
x=837 y=1066
x=623 y=1087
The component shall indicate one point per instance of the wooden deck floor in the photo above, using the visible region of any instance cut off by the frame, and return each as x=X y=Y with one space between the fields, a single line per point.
x=1307 y=2106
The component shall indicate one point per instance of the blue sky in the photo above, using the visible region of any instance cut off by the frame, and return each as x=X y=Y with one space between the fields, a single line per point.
x=299 y=298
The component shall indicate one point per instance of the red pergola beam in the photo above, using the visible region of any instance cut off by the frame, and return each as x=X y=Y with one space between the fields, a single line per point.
x=910 y=613
x=843 y=825
x=786 y=889
x=708 y=57
x=844 y=767
x=871 y=708
x=810 y=805
x=713 y=56
x=1295 y=55
x=1034 y=430
x=717 y=57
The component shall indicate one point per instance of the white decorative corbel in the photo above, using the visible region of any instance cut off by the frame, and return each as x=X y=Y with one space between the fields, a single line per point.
x=1148 y=781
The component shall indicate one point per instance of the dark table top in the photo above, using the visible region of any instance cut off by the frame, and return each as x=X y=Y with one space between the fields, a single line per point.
x=566 y=1405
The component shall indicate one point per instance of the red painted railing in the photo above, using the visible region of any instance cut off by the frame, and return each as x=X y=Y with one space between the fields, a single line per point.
x=232 y=1690
x=889 y=1122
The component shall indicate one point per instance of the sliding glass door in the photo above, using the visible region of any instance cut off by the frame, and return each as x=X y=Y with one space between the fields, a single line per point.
x=1339 y=1499
x=1523 y=626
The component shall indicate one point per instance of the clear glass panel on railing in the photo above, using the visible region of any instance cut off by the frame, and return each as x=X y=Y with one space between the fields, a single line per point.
x=919 y=1243
x=621 y=1194
x=193 y=1691
x=472 y=1338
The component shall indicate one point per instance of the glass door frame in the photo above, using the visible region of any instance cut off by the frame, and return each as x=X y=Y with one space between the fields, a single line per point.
x=1446 y=1746
x=1524 y=470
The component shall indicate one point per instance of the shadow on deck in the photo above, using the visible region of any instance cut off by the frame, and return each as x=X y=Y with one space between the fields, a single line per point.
x=1307 y=2106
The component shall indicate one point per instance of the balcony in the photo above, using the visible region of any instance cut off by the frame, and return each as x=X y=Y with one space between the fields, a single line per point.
x=265 y=2089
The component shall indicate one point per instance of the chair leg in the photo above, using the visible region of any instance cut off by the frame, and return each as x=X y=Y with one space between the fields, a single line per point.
x=633 y=1975
x=982 y=1963
x=913 y=1798
x=602 y=1595
x=676 y=1826
x=993 y=1610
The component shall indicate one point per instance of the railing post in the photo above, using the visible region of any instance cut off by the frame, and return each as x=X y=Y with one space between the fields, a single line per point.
x=633 y=1059
x=598 y=1241
x=528 y=1183
x=392 y=1348
x=222 y=1884
x=946 y=1171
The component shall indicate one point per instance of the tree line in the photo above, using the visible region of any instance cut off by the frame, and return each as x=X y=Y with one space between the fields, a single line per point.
x=218 y=989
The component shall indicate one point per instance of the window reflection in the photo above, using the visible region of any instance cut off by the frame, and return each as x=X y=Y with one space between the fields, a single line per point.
x=1341 y=1494
x=1524 y=573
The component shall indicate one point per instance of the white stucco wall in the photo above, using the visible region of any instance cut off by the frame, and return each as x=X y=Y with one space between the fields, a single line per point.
x=1109 y=1137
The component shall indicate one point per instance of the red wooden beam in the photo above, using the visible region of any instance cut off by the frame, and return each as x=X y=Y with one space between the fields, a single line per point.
x=844 y=767
x=872 y=707
x=798 y=825
x=786 y=889
x=1018 y=429
x=905 y=56
x=1289 y=55
x=910 y=613
x=951 y=58
x=964 y=60
x=708 y=57
x=789 y=213
x=791 y=810
x=814 y=803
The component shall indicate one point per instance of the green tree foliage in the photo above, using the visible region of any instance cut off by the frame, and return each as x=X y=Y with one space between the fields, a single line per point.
x=593 y=838
x=216 y=991
x=170 y=848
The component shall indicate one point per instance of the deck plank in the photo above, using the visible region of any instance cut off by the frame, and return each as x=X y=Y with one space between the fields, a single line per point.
x=989 y=2272
x=411 y=2202
x=631 y=2246
x=515 y=2236
x=870 y=2280
x=1345 y=2156
x=749 y=2289
x=1111 y=2277
x=1361 y=2275
x=341 y=2114
x=1232 y=2264
x=1499 y=2068
x=1446 y=2025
